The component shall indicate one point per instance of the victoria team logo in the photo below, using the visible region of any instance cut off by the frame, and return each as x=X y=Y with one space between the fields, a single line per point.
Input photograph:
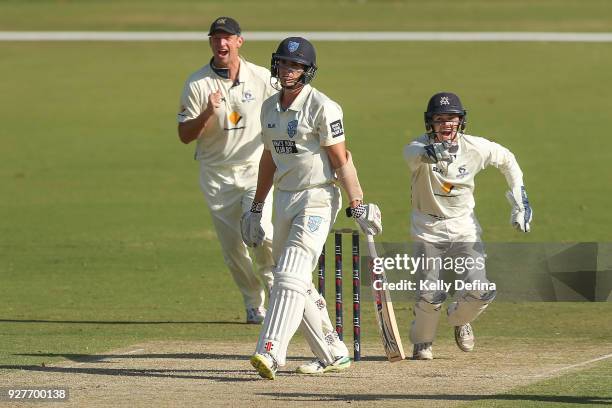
x=444 y=100
x=292 y=128
x=293 y=46
x=247 y=96
x=463 y=172
x=314 y=222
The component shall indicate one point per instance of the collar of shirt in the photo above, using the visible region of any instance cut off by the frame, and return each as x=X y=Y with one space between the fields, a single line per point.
x=298 y=103
x=224 y=72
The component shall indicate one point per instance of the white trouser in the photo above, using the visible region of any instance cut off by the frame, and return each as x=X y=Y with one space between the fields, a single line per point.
x=229 y=192
x=442 y=239
x=302 y=221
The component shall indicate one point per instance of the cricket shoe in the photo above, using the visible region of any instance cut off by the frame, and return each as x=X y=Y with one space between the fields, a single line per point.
x=464 y=337
x=265 y=365
x=255 y=315
x=318 y=367
x=422 y=351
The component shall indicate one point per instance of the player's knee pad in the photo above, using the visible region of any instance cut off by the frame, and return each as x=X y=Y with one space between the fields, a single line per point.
x=289 y=282
x=469 y=306
x=426 y=317
x=295 y=261
x=432 y=297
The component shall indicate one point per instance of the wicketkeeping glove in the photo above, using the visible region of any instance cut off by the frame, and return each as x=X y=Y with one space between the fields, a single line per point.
x=439 y=152
x=521 y=214
x=368 y=217
x=250 y=226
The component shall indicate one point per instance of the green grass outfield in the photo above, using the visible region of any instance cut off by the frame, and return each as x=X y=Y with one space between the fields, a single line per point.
x=337 y=15
x=105 y=240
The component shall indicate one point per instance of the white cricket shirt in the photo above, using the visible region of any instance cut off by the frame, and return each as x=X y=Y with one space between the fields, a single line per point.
x=448 y=191
x=296 y=138
x=233 y=136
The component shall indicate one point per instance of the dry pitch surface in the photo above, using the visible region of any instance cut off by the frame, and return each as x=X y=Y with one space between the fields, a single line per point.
x=218 y=374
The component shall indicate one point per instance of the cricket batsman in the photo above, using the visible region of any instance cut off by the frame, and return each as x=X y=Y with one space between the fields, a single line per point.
x=443 y=163
x=304 y=157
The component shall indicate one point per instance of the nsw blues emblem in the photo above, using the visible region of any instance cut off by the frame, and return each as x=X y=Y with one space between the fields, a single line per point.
x=293 y=46
x=314 y=222
x=292 y=128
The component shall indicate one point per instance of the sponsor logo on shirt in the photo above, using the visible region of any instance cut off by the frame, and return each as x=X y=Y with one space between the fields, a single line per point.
x=292 y=128
x=336 y=128
x=235 y=117
x=271 y=125
x=284 y=146
x=447 y=187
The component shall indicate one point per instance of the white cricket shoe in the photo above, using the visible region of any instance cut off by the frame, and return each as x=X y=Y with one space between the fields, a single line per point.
x=422 y=351
x=464 y=337
x=318 y=367
x=265 y=365
x=255 y=315
x=314 y=367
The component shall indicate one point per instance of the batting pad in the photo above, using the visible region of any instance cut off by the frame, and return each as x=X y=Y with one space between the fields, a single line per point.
x=425 y=323
x=318 y=330
x=337 y=346
x=285 y=312
x=313 y=332
x=296 y=263
x=468 y=307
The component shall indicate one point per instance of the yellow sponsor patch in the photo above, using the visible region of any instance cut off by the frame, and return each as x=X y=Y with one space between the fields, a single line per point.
x=235 y=117
x=447 y=187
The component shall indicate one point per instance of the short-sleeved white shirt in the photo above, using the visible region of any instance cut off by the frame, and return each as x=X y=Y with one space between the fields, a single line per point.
x=296 y=137
x=233 y=136
x=447 y=191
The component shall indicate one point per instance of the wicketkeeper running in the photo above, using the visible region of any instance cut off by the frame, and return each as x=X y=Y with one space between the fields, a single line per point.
x=444 y=162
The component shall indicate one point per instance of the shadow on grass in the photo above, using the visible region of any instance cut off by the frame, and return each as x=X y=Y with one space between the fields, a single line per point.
x=308 y=397
x=92 y=358
x=127 y=322
x=213 y=375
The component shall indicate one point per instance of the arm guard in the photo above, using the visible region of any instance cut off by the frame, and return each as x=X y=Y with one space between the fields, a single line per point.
x=347 y=176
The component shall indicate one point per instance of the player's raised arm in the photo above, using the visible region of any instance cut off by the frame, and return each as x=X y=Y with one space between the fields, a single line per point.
x=415 y=154
x=190 y=130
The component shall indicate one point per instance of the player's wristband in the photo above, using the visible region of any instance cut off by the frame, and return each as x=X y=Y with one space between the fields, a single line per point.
x=257 y=207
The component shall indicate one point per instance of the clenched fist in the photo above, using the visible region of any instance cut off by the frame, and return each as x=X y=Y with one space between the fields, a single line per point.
x=214 y=101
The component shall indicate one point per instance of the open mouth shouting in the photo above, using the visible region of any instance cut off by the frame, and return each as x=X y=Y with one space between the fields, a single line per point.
x=223 y=52
x=447 y=133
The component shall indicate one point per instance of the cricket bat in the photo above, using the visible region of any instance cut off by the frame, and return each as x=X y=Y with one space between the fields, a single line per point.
x=385 y=316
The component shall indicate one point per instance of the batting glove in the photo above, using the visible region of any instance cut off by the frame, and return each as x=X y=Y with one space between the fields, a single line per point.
x=368 y=217
x=521 y=214
x=250 y=226
x=438 y=152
